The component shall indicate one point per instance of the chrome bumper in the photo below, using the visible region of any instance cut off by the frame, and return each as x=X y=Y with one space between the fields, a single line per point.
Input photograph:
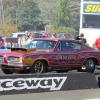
x=4 y=65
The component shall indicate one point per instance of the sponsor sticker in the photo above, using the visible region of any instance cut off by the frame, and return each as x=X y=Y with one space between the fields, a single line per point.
x=91 y=8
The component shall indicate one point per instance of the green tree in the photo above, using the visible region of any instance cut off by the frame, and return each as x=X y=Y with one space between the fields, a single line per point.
x=48 y=9
x=63 y=16
x=75 y=14
x=10 y=10
x=23 y=13
x=27 y=15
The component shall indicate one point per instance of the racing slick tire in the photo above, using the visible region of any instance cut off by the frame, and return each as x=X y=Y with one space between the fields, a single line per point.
x=90 y=65
x=38 y=67
x=5 y=71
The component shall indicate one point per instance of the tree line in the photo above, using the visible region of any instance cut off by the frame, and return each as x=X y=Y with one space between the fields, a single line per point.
x=21 y=15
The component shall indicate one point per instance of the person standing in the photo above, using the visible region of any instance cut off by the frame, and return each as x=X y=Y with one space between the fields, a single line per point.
x=31 y=38
x=97 y=43
x=26 y=35
x=2 y=43
x=25 y=38
x=81 y=38
x=53 y=35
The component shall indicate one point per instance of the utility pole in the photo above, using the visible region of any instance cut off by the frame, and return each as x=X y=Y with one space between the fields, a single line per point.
x=1 y=13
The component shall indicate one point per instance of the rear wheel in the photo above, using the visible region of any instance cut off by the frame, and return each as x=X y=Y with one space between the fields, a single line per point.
x=38 y=67
x=90 y=65
x=5 y=71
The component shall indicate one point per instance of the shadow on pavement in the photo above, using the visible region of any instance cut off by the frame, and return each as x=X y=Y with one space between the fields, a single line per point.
x=99 y=82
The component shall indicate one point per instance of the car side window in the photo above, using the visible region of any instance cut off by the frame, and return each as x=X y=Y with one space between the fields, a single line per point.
x=62 y=46
x=68 y=45
x=77 y=46
x=59 y=47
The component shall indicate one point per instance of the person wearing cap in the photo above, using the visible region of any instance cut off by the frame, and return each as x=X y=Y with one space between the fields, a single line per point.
x=97 y=43
x=53 y=35
x=2 y=43
x=81 y=38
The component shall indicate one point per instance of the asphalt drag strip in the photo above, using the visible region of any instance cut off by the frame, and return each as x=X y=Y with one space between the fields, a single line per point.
x=89 y=94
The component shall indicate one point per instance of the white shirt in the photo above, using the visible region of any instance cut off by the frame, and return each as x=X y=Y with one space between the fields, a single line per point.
x=28 y=41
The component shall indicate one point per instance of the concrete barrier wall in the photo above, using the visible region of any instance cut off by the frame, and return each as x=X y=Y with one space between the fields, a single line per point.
x=33 y=83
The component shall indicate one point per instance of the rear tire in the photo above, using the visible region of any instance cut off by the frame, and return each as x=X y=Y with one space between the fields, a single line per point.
x=38 y=67
x=5 y=71
x=90 y=65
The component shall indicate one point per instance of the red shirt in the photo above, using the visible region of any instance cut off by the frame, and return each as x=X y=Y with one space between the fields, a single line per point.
x=97 y=43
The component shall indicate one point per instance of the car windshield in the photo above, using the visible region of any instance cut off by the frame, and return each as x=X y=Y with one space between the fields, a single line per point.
x=42 y=44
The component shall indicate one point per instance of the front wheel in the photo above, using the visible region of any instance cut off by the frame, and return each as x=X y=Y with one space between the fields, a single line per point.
x=5 y=71
x=38 y=67
x=90 y=65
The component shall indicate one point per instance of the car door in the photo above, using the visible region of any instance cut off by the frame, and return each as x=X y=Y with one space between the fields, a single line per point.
x=68 y=53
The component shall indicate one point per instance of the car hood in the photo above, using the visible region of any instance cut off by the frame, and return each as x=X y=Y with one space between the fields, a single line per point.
x=16 y=51
x=23 y=51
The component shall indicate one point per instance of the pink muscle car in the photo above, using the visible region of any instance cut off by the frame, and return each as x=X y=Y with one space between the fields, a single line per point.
x=46 y=54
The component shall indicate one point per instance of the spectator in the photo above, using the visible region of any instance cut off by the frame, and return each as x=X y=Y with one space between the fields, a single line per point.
x=2 y=43
x=31 y=38
x=53 y=35
x=25 y=38
x=97 y=43
x=81 y=38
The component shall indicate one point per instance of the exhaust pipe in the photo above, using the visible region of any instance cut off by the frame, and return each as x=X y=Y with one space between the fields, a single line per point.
x=83 y=68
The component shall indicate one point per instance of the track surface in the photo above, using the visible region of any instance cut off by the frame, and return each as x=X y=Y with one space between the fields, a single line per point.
x=89 y=94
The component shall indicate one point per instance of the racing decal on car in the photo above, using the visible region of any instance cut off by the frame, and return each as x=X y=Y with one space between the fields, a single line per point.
x=65 y=57
x=52 y=83
x=71 y=57
x=61 y=57
x=29 y=61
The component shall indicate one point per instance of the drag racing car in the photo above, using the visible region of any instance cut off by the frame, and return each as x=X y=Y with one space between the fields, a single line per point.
x=46 y=54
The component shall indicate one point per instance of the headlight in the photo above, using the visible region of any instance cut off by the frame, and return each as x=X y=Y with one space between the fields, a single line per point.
x=14 y=59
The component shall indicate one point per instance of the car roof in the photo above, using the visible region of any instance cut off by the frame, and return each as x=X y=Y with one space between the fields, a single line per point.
x=18 y=33
x=55 y=39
